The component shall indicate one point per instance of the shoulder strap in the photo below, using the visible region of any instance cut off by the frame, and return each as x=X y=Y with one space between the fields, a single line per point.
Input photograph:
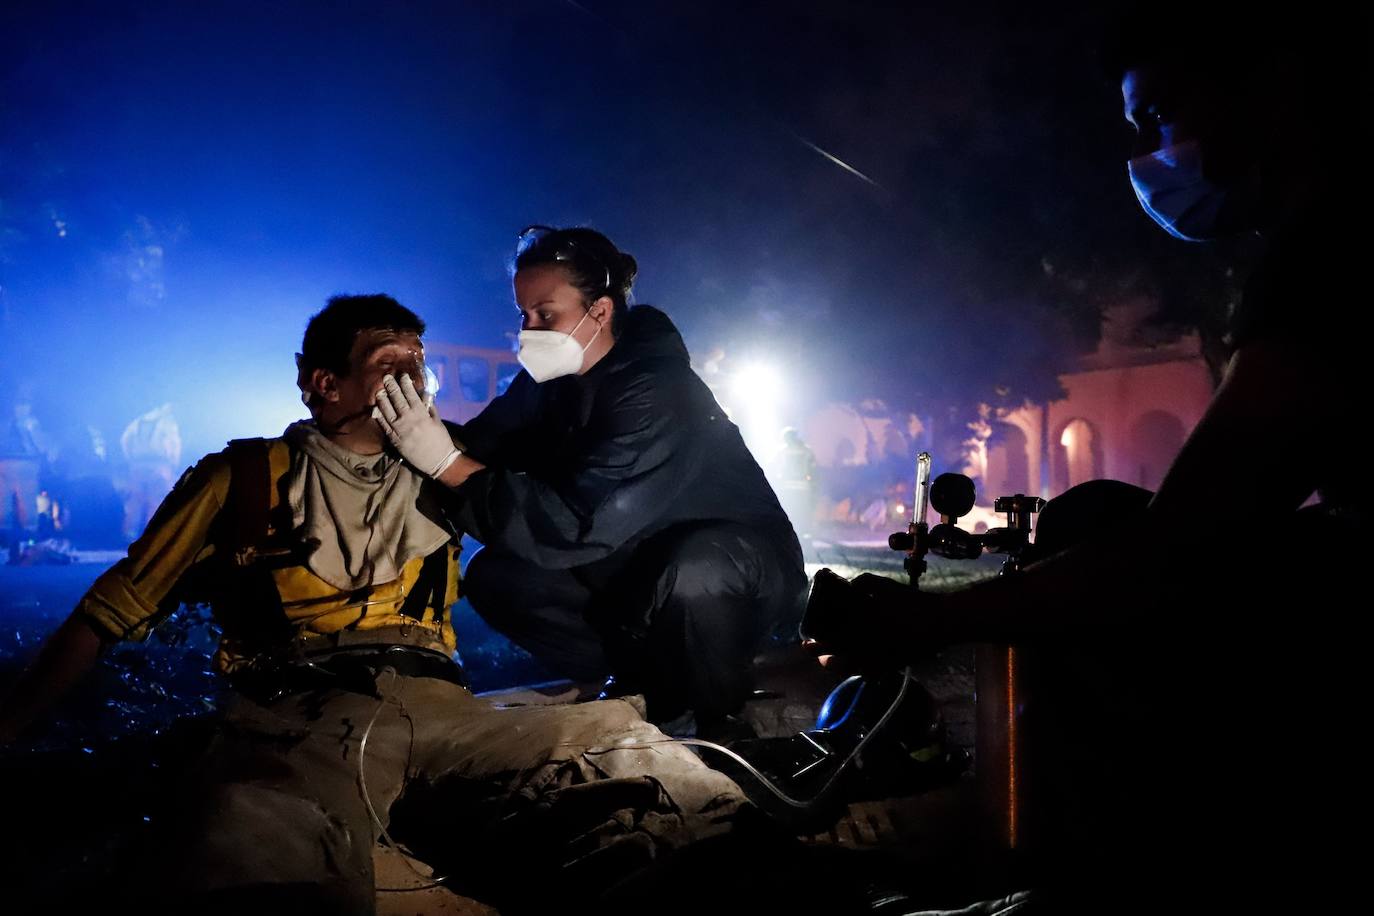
x=250 y=495
x=256 y=603
x=430 y=588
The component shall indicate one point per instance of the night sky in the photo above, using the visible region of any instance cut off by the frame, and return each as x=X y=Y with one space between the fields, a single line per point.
x=182 y=185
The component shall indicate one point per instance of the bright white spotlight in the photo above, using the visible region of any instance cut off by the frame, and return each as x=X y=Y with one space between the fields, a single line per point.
x=757 y=392
x=758 y=385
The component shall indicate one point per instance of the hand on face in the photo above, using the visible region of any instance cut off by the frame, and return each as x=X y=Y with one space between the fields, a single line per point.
x=413 y=427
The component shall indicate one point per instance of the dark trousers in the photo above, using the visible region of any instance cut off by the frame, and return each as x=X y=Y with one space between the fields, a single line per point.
x=679 y=617
x=1194 y=750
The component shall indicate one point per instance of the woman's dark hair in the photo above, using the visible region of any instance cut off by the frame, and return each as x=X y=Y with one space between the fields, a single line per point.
x=1216 y=40
x=1256 y=54
x=594 y=265
x=330 y=334
x=1242 y=45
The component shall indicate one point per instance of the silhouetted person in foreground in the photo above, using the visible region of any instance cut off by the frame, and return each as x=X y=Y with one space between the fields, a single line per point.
x=1196 y=646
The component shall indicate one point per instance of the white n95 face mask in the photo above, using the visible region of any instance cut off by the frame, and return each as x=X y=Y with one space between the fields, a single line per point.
x=1171 y=188
x=552 y=354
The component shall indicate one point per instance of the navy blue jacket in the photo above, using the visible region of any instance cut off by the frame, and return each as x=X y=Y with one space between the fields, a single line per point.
x=583 y=468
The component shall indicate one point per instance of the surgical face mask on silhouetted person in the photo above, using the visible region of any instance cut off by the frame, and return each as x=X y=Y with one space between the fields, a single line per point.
x=1172 y=189
x=552 y=354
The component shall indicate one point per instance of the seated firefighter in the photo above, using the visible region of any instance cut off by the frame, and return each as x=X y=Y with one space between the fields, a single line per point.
x=331 y=569
x=627 y=528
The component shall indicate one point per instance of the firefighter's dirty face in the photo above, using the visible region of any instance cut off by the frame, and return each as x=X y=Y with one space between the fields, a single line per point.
x=376 y=353
x=379 y=353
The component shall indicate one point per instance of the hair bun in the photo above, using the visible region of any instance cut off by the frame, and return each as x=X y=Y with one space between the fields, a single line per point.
x=629 y=269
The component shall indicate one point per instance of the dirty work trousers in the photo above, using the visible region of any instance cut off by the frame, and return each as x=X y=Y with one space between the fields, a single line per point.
x=679 y=617
x=519 y=805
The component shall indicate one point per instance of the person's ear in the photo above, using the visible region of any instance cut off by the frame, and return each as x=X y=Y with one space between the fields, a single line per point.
x=601 y=310
x=324 y=384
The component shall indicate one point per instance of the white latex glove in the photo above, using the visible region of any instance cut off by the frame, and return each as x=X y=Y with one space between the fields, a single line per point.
x=413 y=426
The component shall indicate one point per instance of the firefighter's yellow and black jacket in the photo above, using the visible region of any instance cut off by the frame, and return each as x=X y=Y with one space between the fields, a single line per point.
x=223 y=537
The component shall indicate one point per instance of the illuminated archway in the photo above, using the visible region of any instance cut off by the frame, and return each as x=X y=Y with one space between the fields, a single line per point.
x=1077 y=455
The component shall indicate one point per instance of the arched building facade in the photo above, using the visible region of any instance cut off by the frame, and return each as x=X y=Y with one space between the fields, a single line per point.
x=1125 y=415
